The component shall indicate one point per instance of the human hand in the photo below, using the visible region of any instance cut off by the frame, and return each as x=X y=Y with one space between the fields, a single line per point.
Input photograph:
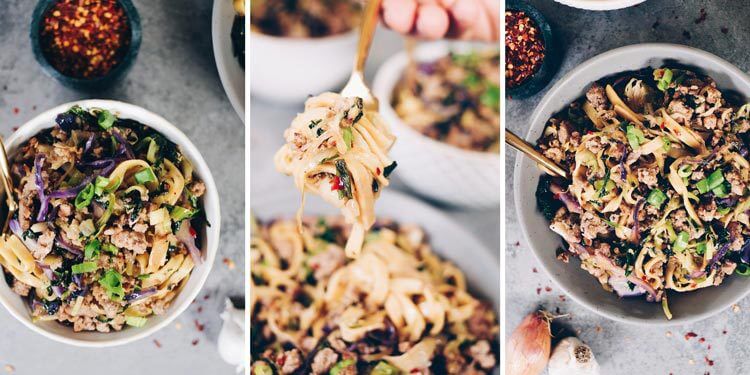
x=435 y=19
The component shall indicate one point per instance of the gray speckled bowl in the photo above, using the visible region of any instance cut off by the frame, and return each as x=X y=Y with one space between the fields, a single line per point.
x=577 y=283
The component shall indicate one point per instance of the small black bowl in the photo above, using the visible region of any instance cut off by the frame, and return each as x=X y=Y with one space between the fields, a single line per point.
x=95 y=83
x=551 y=62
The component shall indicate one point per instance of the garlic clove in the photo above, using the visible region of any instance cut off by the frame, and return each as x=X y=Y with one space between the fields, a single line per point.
x=231 y=343
x=572 y=357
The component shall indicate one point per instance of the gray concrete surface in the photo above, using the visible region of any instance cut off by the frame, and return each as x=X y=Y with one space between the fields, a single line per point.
x=622 y=348
x=174 y=76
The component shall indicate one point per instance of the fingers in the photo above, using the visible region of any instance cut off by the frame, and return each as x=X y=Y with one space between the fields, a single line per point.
x=432 y=21
x=400 y=15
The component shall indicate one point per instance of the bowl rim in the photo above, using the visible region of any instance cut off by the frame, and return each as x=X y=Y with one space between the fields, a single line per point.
x=654 y=50
x=45 y=120
x=236 y=99
x=257 y=35
x=600 y=4
x=134 y=21
x=387 y=77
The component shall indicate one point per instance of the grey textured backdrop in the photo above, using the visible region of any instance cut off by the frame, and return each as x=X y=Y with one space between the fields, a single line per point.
x=622 y=348
x=174 y=76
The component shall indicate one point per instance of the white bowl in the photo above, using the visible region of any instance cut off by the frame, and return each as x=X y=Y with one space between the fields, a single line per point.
x=288 y=70
x=600 y=4
x=230 y=72
x=435 y=169
x=577 y=283
x=18 y=307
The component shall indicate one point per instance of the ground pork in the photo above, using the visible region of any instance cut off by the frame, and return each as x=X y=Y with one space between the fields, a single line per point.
x=198 y=188
x=20 y=288
x=45 y=241
x=707 y=211
x=735 y=180
x=592 y=225
x=681 y=113
x=124 y=239
x=564 y=225
x=327 y=261
x=324 y=360
x=482 y=354
x=648 y=175
x=481 y=323
x=597 y=96
x=292 y=360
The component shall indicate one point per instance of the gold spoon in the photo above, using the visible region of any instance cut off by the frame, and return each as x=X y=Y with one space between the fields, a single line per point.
x=547 y=165
x=7 y=185
x=356 y=85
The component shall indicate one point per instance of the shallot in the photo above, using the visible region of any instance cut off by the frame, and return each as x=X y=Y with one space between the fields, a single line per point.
x=529 y=347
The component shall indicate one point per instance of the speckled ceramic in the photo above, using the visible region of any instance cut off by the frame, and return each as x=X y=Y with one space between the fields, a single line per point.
x=577 y=283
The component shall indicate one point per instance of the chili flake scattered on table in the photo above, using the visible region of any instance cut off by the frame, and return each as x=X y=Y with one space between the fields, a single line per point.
x=85 y=38
x=524 y=48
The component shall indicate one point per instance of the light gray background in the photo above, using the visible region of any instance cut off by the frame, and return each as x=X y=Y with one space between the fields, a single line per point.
x=622 y=348
x=174 y=76
x=268 y=121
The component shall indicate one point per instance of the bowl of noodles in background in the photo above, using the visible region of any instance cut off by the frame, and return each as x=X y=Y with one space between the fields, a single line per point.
x=577 y=283
x=453 y=167
x=600 y=4
x=17 y=305
x=294 y=54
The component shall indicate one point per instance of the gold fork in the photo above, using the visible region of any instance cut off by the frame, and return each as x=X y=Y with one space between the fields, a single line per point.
x=356 y=85
x=545 y=164
x=11 y=204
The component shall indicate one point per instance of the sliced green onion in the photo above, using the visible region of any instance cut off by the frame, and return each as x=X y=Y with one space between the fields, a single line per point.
x=112 y=284
x=112 y=249
x=105 y=119
x=262 y=369
x=153 y=150
x=87 y=227
x=84 y=197
x=666 y=144
x=348 y=137
x=635 y=136
x=681 y=242
x=742 y=269
x=91 y=250
x=340 y=366
x=145 y=175
x=723 y=211
x=144 y=276
x=178 y=213
x=665 y=80
x=721 y=191
x=491 y=97
x=702 y=186
x=84 y=267
x=136 y=321
x=685 y=170
x=715 y=179
x=656 y=198
x=701 y=248
x=384 y=368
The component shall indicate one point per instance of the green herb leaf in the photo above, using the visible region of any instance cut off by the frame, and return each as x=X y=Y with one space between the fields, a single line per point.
x=384 y=368
x=340 y=366
x=112 y=249
x=635 y=136
x=178 y=213
x=84 y=267
x=742 y=269
x=105 y=119
x=262 y=369
x=491 y=97
x=84 y=197
x=701 y=248
x=681 y=242
x=665 y=80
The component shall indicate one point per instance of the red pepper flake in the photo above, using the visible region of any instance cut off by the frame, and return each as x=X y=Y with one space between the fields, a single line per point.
x=16 y=110
x=524 y=48
x=192 y=232
x=85 y=38
x=200 y=327
x=336 y=184
x=561 y=297
x=377 y=170
x=709 y=362
x=517 y=244
x=534 y=270
x=200 y=309
x=547 y=289
x=538 y=291
x=702 y=340
x=709 y=346
x=206 y=297
x=724 y=332
x=280 y=360
x=702 y=17
x=690 y=335
x=157 y=343
x=195 y=342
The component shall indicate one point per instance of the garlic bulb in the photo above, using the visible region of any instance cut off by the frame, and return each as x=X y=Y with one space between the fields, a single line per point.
x=231 y=342
x=572 y=357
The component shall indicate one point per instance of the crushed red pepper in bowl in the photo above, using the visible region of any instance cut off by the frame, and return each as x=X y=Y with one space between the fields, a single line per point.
x=85 y=38
x=524 y=48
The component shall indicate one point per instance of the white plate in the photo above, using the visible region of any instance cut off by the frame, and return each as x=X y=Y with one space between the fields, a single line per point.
x=577 y=283
x=447 y=238
x=18 y=307
x=600 y=4
x=230 y=72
